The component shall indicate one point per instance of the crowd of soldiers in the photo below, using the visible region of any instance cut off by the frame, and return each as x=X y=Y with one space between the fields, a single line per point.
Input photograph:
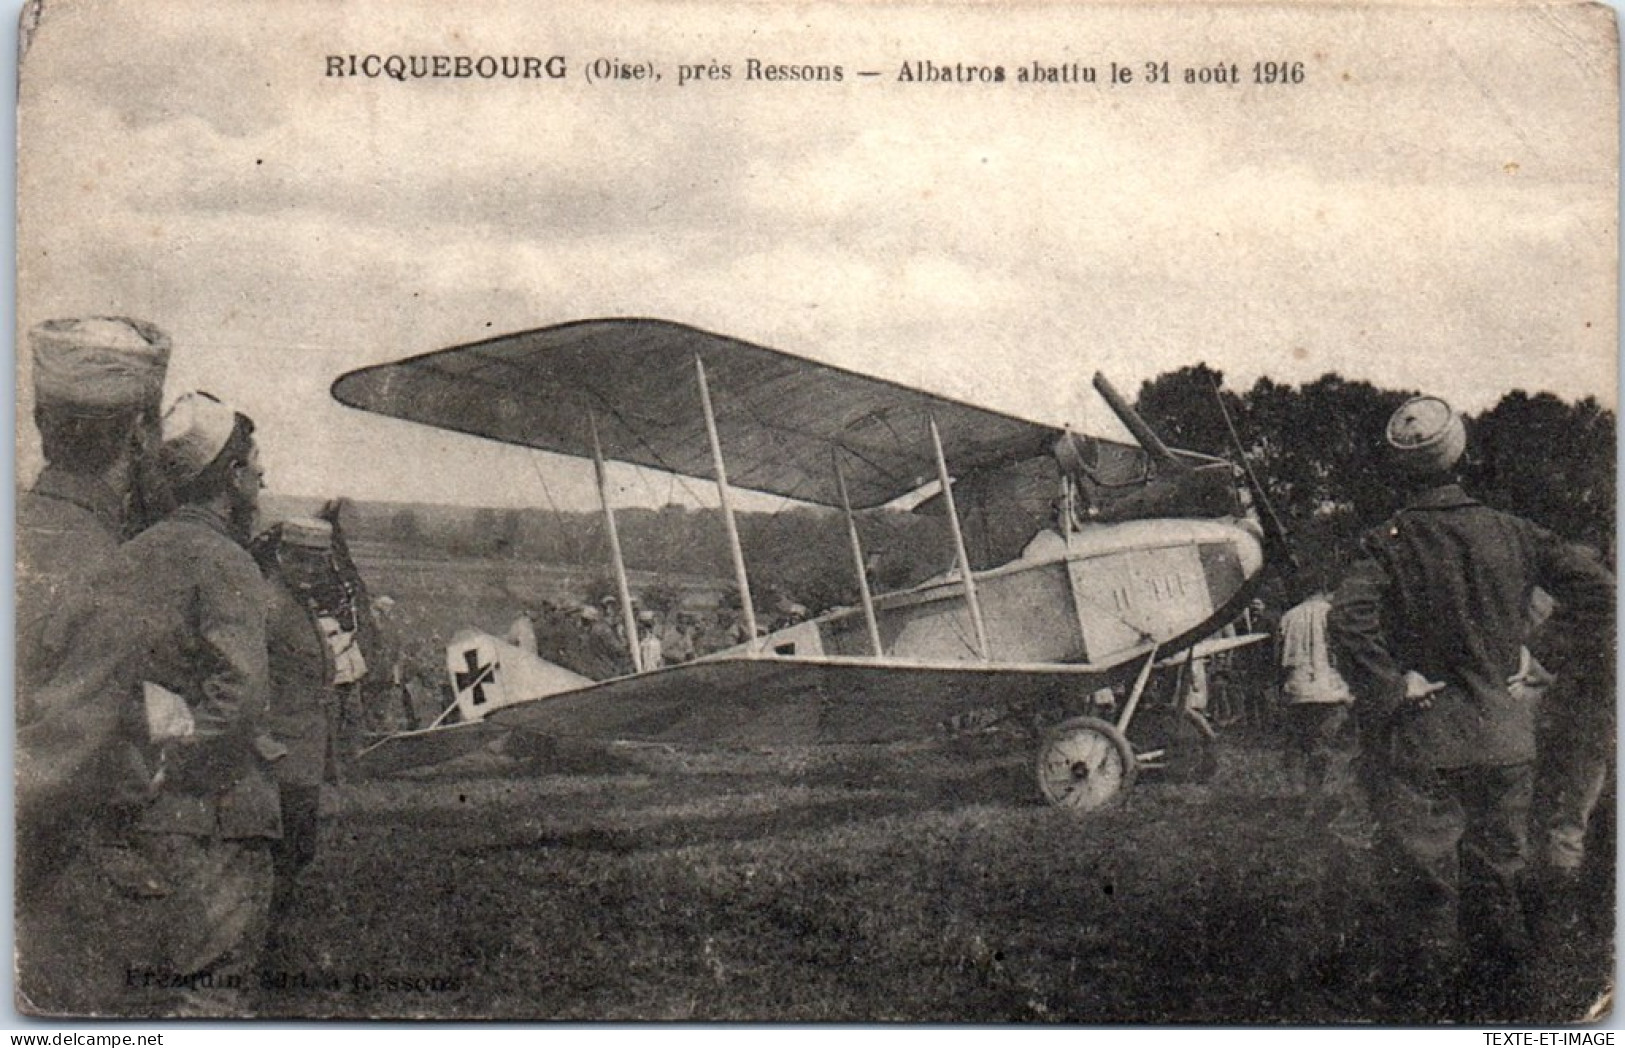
x=591 y=639
x=184 y=688
x=146 y=814
x=176 y=674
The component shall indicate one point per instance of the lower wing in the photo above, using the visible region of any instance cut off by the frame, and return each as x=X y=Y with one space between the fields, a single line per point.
x=798 y=701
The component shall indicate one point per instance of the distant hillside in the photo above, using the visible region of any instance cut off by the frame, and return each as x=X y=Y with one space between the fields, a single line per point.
x=800 y=554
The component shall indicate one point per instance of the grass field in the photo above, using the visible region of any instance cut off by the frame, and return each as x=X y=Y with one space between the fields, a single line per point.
x=916 y=883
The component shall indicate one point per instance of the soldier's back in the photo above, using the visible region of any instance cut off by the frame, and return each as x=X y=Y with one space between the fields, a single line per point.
x=62 y=546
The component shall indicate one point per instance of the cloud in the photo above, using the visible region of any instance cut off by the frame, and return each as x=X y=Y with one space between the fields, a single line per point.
x=152 y=67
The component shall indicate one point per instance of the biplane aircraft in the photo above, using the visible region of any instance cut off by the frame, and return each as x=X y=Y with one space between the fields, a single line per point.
x=1141 y=553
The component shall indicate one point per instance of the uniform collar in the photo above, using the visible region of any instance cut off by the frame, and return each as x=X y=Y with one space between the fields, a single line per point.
x=212 y=519
x=89 y=493
x=1445 y=496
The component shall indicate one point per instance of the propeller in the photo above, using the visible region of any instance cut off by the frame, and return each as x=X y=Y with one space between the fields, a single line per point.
x=1275 y=531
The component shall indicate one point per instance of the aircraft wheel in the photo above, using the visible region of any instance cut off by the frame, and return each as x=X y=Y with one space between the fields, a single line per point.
x=1085 y=764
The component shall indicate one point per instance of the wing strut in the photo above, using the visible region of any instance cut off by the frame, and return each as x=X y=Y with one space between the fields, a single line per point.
x=1134 y=696
x=748 y=605
x=857 y=557
x=629 y=621
x=982 y=648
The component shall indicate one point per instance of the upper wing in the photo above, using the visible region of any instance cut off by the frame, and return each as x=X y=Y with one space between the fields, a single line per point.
x=780 y=418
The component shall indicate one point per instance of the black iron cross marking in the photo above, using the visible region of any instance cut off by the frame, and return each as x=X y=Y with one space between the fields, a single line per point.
x=476 y=677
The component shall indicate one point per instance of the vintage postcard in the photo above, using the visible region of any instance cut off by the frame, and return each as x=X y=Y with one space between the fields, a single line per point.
x=817 y=512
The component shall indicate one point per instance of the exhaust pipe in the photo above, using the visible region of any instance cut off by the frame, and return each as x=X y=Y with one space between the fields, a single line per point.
x=1136 y=425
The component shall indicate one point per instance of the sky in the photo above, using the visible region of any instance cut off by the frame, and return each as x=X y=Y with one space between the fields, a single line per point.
x=1433 y=207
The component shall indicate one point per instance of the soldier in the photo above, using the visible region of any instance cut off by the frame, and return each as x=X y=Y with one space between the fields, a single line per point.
x=174 y=655
x=677 y=643
x=1575 y=732
x=345 y=613
x=391 y=703
x=1430 y=625
x=293 y=557
x=1319 y=745
x=605 y=646
x=97 y=384
x=649 y=648
x=522 y=632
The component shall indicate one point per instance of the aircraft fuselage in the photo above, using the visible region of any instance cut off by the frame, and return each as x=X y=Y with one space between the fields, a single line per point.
x=1105 y=594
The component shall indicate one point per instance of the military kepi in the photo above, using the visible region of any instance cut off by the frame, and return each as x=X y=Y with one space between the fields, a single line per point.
x=1426 y=436
x=196 y=431
x=99 y=365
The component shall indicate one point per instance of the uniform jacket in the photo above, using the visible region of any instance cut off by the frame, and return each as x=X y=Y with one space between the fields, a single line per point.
x=301 y=671
x=182 y=606
x=1444 y=591
x=67 y=531
x=608 y=652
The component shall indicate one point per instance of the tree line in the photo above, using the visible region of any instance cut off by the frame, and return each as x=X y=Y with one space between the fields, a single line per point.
x=1318 y=451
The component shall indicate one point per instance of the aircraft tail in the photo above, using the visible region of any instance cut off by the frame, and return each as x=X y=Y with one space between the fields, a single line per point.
x=489 y=674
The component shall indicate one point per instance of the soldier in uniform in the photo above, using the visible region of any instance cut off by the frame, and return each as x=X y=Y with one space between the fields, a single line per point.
x=1429 y=626
x=649 y=648
x=97 y=384
x=390 y=702
x=294 y=559
x=605 y=646
x=1575 y=732
x=522 y=632
x=1320 y=740
x=173 y=656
